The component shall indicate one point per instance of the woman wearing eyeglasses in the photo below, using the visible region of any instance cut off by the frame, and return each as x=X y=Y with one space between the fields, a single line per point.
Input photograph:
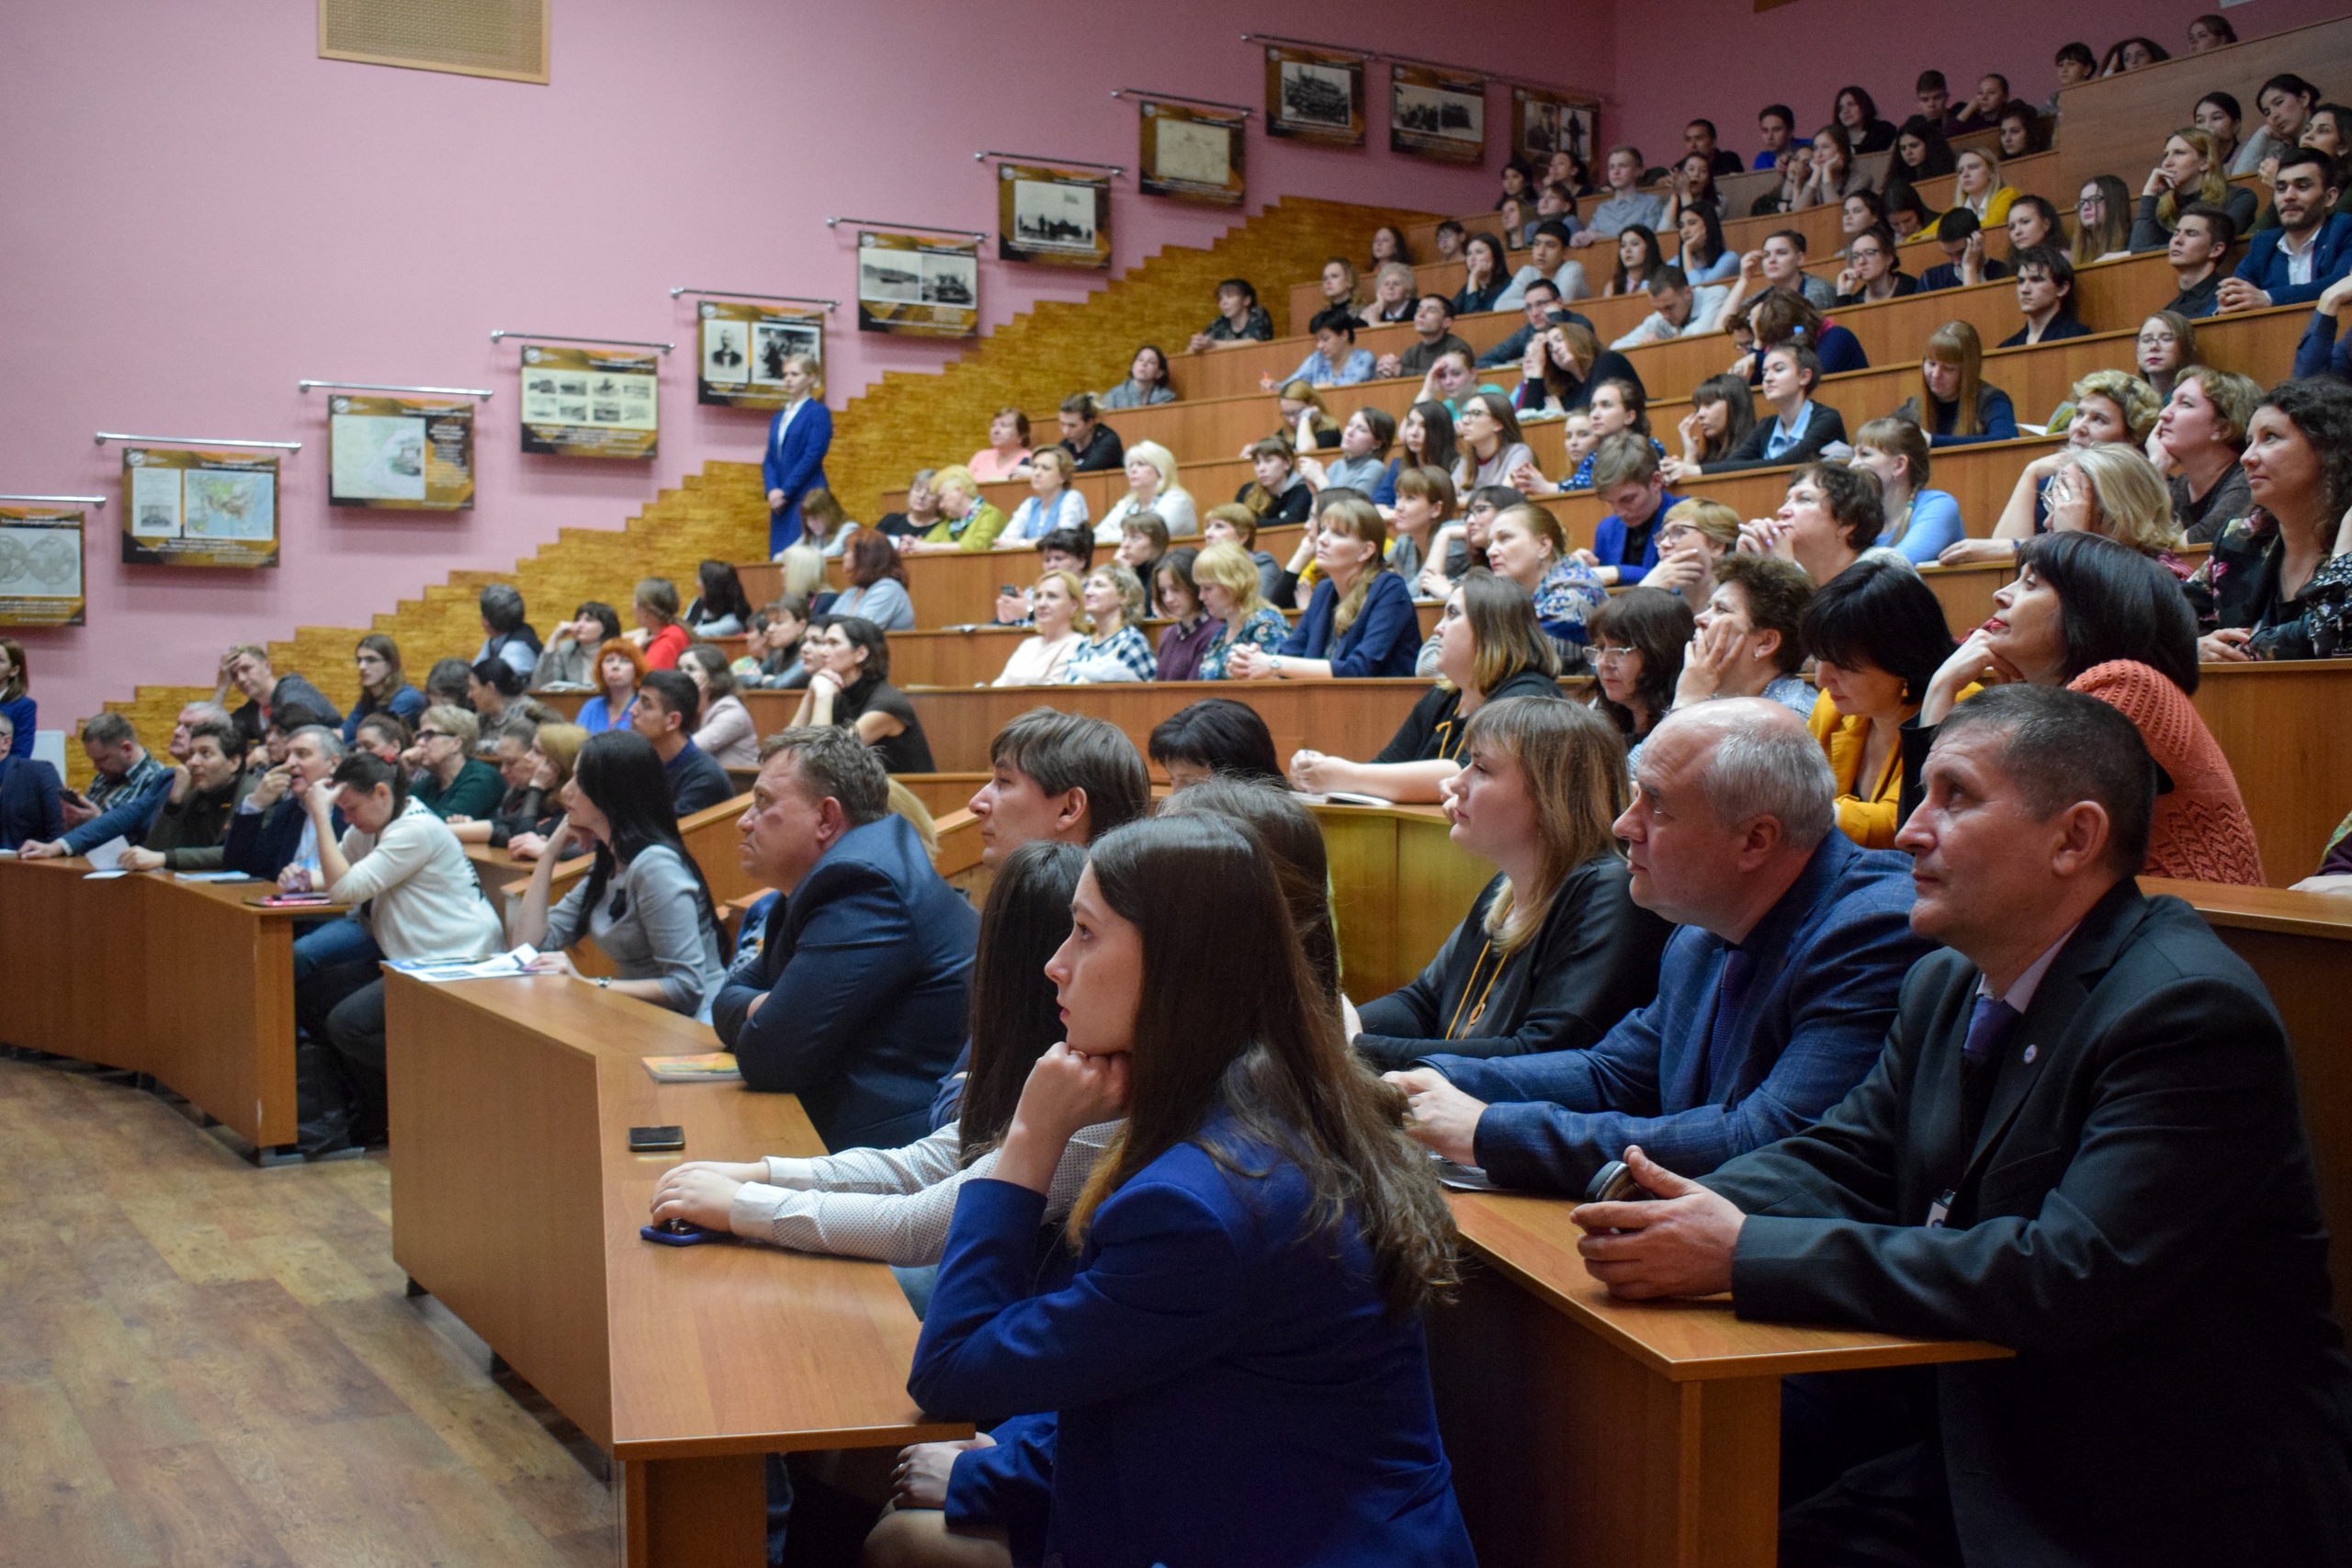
x=450 y=781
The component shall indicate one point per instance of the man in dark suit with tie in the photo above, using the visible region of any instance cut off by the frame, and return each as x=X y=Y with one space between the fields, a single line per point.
x=2081 y=1142
x=1773 y=998
x=856 y=997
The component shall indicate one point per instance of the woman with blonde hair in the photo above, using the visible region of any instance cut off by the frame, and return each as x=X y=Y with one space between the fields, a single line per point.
x=1237 y=525
x=1306 y=424
x=2191 y=171
x=2199 y=439
x=967 y=521
x=1231 y=587
x=1360 y=620
x=1115 y=651
x=1919 y=522
x=1977 y=187
x=2108 y=408
x=2114 y=490
x=1491 y=647
x=1042 y=658
x=800 y=434
x=1151 y=487
x=1692 y=536
x=1954 y=406
x=536 y=769
x=1554 y=951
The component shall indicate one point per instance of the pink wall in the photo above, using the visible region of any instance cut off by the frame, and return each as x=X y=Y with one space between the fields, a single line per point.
x=199 y=212
x=1802 y=54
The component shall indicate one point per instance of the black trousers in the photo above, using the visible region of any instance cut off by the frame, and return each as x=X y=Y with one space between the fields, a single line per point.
x=1892 y=1512
x=341 y=1076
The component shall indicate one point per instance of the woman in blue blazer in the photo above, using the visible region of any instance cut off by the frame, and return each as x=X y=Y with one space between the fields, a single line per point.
x=1236 y=1372
x=799 y=437
x=1360 y=620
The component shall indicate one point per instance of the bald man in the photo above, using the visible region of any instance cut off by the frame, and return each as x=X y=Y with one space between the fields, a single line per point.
x=1774 y=996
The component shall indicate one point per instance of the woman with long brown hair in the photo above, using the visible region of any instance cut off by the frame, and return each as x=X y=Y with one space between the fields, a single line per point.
x=877 y=584
x=1953 y=405
x=383 y=686
x=1256 y=1247
x=1554 y=951
x=1360 y=620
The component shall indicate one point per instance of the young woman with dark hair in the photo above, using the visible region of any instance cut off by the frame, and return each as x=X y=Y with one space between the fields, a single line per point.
x=1638 y=259
x=501 y=705
x=1262 y=1223
x=877 y=584
x=1218 y=736
x=1722 y=411
x=1704 y=257
x=1490 y=645
x=721 y=608
x=1554 y=951
x=851 y=688
x=570 y=659
x=2278 y=584
x=2095 y=617
x=1857 y=115
x=723 y=727
x=1425 y=440
x=644 y=904
x=1190 y=628
x=893 y=1205
x=383 y=686
x=1906 y=213
x=1486 y=274
x=1877 y=637
x=1638 y=641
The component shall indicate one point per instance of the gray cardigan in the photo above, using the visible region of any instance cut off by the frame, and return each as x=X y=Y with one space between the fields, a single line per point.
x=658 y=933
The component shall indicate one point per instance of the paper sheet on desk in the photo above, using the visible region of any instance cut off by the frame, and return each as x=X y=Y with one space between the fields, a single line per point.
x=212 y=876
x=512 y=965
x=1463 y=1178
x=106 y=858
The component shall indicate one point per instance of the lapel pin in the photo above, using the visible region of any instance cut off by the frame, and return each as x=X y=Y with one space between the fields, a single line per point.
x=2031 y=1053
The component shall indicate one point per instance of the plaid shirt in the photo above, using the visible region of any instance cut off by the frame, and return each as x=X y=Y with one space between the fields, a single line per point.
x=1122 y=655
x=127 y=805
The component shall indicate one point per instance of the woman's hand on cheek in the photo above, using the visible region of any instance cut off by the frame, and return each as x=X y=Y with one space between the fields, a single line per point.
x=1068 y=1089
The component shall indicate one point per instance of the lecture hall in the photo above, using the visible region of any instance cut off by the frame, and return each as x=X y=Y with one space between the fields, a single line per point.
x=1372 y=796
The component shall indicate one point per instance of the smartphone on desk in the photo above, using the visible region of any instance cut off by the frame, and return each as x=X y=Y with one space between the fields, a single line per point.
x=656 y=1140
x=292 y=901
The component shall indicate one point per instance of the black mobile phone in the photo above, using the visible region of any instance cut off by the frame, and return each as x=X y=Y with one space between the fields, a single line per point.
x=655 y=1140
x=1008 y=589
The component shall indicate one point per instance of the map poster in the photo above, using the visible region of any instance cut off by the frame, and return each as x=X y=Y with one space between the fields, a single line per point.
x=183 y=507
x=1053 y=216
x=743 y=347
x=413 y=454
x=1543 y=123
x=590 y=402
x=918 y=285
x=1191 y=154
x=1437 y=114
x=40 y=566
x=1313 y=95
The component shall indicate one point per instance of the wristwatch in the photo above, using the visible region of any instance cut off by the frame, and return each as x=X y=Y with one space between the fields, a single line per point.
x=1274 y=664
x=604 y=982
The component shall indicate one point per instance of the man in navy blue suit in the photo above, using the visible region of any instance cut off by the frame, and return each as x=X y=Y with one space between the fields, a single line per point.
x=2312 y=247
x=29 y=807
x=855 y=999
x=799 y=437
x=1774 y=999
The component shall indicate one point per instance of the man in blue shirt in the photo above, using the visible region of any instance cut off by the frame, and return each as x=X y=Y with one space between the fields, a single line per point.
x=1626 y=202
x=1627 y=477
x=668 y=705
x=130 y=789
x=1337 y=361
x=1778 y=123
x=2312 y=247
x=1774 y=999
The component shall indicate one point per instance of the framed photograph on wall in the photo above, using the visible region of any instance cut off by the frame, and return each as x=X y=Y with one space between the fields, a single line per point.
x=1437 y=114
x=402 y=454
x=918 y=285
x=1315 y=95
x=1053 y=216
x=1543 y=123
x=1191 y=154
x=590 y=402
x=40 y=566
x=743 y=347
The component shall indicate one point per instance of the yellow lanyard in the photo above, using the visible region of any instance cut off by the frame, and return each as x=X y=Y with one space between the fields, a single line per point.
x=1476 y=1012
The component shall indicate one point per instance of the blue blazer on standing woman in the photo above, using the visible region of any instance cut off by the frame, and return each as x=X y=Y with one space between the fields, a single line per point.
x=1230 y=1386
x=794 y=464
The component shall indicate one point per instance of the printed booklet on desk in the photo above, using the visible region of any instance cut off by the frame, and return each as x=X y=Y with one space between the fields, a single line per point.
x=711 y=1066
x=512 y=965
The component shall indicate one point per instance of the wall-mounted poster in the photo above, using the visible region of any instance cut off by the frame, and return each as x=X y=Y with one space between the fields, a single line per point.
x=1315 y=95
x=1543 y=123
x=183 y=507
x=744 y=347
x=1437 y=114
x=1191 y=154
x=918 y=285
x=590 y=402
x=414 y=454
x=40 y=566
x=1053 y=216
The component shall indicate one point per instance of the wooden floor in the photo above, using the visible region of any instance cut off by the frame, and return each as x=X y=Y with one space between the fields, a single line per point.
x=203 y=1363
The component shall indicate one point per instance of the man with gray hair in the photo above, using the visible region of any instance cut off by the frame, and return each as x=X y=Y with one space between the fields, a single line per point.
x=1773 y=998
x=271 y=830
x=184 y=727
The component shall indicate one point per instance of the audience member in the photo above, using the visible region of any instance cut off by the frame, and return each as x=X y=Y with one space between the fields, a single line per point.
x=2285 y=103
x=1231 y=587
x=1920 y=523
x=1777 y=267
x=1191 y=628
x=850 y=690
x=2275 y=584
x=1433 y=335
x=919 y=517
x=1007 y=455
x=1526 y=545
x=2102 y=221
x=1147 y=382
x=644 y=903
x=2034 y=221
x=2108 y=408
x=1872 y=273
x=655 y=605
x=1858 y=116
x=721 y=607
x=1775 y=124
x=1042 y=657
x=1548 y=263
x=2329 y=132
x=31 y=809
x=1240 y=319
x=1569 y=369
x=1638 y=641
x=620 y=668
x=383 y=686
x=448 y=780
x=2210 y=31
x=1392 y=296
x=1335 y=361
x=1424 y=501
x=1722 y=411
x=2191 y=172
x=1486 y=274
x=1982 y=112
x=1832 y=175
x=1962 y=238
x=506 y=635
x=1365 y=441
x=1213 y=739
x=2046 y=299
x=1638 y=258
x=1151 y=489
x=2131 y=54
x=2115 y=1434
x=2200 y=435
x=793 y=460
x=1692 y=536
x=855 y=998
x=1052 y=504
x=194 y=817
x=1360 y=620
x=724 y=732
x=1489 y=445
x=1800 y=429
x=535 y=777
x=1877 y=637
x=1749 y=640
x=1458 y=546
x=1773 y=995
x=1682 y=311
x=1278 y=496
x=184 y=725
x=2074 y=63
x=1062 y=776
x=2097 y=618
x=877 y=582
x=401 y=868
x=248 y=670
x=128 y=788
x=500 y=706
x=570 y=656
x=1095 y=446
x=2199 y=239
x=1934 y=100
x=1832 y=513
x=271 y=829
x=968 y=519
x=1906 y=213
x=1978 y=190
x=22 y=711
x=2312 y=247
x=1115 y=650
x=1237 y=525
x=1920 y=150
x=2220 y=116
x=1628 y=479
x=1625 y=203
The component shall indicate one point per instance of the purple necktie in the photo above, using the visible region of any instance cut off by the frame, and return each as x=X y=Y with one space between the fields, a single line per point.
x=1989 y=1029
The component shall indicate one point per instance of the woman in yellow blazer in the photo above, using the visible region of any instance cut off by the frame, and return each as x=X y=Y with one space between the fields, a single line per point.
x=1877 y=637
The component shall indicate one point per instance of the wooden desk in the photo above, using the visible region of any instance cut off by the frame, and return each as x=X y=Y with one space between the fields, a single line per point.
x=516 y=1202
x=1585 y=1430
x=185 y=982
x=2280 y=726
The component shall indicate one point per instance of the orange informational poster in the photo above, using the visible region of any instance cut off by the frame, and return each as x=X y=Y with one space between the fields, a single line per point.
x=744 y=346
x=407 y=453
x=40 y=566
x=1437 y=114
x=1053 y=216
x=1191 y=154
x=185 y=507
x=918 y=285
x=590 y=402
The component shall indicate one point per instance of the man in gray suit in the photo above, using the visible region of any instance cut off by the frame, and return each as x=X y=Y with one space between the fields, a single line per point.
x=2081 y=1142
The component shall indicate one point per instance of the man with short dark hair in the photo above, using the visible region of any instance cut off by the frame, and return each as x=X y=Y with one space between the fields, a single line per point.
x=1433 y=335
x=1542 y=305
x=1777 y=124
x=1682 y=311
x=1774 y=996
x=1699 y=136
x=2074 y=63
x=1778 y=263
x=2312 y=247
x=668 y=704
x=1625 y=204
x=1626 y=479
x=1547 y=263
x=1056 y=776
x=122 y=800
x=855 y=998
x=1335 y=360
x=246 y=667
x=1960 y=237
x=1935 y=99
x=2033 y=1162
x=206 y=787
x=1094 y=447
x=2046 y=298
x=2201 y=238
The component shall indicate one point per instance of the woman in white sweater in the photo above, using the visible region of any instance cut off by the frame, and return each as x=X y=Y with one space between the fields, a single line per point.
x=403 y=868
x=894 y=1205
x=1044 y=660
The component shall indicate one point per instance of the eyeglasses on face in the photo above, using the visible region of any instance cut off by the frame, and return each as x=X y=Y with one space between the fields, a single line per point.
x=432 y=735
x=1613 y=656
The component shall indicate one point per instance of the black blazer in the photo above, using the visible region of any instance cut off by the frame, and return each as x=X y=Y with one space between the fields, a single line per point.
x=1823 y=426
x=2138 y=1219
x=1594 y=960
